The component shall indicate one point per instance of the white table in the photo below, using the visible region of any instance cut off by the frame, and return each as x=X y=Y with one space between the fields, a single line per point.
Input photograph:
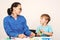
x=34 y=38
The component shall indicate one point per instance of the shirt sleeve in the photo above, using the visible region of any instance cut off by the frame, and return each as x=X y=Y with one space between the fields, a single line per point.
x=8 y=29
x=50 y=29
x=26 y=29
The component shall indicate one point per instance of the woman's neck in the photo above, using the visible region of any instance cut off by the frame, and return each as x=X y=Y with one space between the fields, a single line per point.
x=14 y=15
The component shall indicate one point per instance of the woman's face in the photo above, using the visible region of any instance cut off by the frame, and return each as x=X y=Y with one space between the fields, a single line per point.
x=17 y=10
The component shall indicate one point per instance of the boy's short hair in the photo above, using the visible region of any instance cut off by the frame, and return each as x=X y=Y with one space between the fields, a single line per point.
x=47 y=17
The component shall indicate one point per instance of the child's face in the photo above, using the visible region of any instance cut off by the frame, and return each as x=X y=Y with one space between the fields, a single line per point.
x=43 y=20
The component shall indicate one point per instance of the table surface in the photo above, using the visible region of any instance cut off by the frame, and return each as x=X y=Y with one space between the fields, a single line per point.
x=34 y=38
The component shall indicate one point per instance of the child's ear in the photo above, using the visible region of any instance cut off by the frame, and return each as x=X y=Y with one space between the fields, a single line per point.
x=46 y=21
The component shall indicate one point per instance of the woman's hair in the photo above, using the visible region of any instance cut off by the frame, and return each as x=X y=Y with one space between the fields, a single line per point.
x=47 y=17
x=15 y=4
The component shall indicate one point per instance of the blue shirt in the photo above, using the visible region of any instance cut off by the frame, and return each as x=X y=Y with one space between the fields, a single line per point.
x=15 y=27
x=47 y=28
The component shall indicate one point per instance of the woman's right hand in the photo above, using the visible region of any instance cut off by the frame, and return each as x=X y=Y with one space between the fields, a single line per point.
x=21 y=36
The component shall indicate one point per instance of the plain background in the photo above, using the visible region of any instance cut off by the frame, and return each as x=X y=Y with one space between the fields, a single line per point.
x=32 y=9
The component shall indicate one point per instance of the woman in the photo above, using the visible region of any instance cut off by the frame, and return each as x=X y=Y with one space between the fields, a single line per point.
x=15 y=24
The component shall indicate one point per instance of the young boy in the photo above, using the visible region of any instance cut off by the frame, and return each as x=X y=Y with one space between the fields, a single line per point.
x=44 y=29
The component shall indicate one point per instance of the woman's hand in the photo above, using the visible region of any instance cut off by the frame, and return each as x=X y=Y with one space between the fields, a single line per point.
x=21 y=36
x=32 y=34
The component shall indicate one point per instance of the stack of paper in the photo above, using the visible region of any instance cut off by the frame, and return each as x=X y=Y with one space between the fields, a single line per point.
x=20 y=39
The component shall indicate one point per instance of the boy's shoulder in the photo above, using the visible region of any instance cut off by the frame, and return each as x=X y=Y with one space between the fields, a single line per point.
x=39 y=26
x=49 y=26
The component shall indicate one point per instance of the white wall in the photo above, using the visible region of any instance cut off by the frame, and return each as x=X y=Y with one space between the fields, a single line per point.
x=32 y=9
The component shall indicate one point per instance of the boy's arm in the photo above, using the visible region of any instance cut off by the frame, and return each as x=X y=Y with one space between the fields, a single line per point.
x=48 y=33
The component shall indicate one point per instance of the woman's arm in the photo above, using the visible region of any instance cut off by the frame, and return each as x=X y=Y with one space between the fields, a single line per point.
x=8 y=29
x=26 y=29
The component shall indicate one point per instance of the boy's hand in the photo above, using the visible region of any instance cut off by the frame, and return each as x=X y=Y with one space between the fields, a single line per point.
x=21 y=36
x=42 y=31
x=32 y=34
